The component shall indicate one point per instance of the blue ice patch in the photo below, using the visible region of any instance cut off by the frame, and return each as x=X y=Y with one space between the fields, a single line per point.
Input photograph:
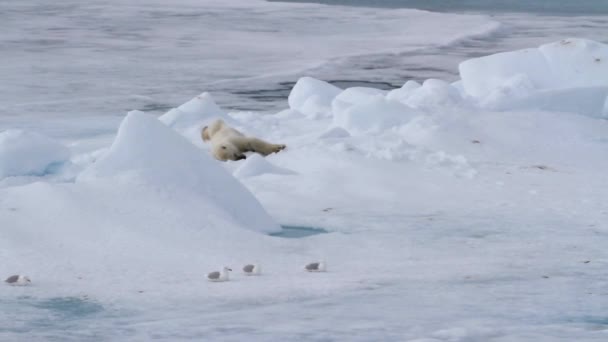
x=296 y=232
x=69 y=307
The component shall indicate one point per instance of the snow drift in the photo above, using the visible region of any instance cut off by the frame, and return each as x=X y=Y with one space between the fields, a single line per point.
x=145 y=151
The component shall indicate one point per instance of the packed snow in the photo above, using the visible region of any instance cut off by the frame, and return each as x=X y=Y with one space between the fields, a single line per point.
x=453 y=215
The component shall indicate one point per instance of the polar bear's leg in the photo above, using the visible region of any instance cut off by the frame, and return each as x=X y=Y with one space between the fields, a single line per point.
x=259 y=146
x=264 y=148
x=205 y=134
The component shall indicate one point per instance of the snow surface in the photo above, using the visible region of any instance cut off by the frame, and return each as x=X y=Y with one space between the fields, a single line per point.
x=256 y=165
x=448 y=220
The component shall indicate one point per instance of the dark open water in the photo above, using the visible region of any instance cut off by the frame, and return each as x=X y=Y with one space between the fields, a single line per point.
x=549 y=7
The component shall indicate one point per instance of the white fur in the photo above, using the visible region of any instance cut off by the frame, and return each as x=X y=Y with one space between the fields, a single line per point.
x=229 y=144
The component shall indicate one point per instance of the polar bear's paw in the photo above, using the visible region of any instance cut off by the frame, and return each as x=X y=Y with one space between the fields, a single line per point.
x=276 y=148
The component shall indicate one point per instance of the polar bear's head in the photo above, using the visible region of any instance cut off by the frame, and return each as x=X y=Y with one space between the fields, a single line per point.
x=227 y=151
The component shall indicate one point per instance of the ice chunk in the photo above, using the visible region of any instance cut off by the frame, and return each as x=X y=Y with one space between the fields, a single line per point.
x=373 y=116
x=355 y=95
x=403 y=93
x=482 y=75
x=570 y=76
x=197 y=111
x=147 y=152
x=516 y=87
x=577 y=63
x=25 y=153
x=361 y=109
x=434 y=94
x=588 y=101
x=312 y=97
x=256 y=165
x=569 y=63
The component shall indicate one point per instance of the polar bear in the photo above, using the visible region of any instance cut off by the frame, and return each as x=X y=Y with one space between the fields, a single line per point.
x=229 y=144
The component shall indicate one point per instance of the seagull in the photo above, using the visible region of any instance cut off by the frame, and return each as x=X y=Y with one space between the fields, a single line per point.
x=252 y=269
x=18 y=280
x=219 y=275
x=319 y=266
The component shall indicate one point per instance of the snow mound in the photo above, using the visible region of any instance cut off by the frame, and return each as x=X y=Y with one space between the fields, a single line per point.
x=481 y=76
x=147 y=152
x=353 y=96
x=312 y=97
x=256 y=165
x=569 y=75
x=198 y=111
x=29 y=154
x=432 y=95
x=403 y=93
x=374 y=116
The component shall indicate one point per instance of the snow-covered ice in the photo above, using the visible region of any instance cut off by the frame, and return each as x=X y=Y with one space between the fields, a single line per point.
x=312 y=97
x=568 y=75
x=375 y=115
x=201 y=109
x=464 y=211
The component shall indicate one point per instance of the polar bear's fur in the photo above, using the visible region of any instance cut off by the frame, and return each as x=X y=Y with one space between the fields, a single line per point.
x=229 y=144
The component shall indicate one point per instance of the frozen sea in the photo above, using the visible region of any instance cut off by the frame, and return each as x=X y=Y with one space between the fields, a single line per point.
x=431 y=239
